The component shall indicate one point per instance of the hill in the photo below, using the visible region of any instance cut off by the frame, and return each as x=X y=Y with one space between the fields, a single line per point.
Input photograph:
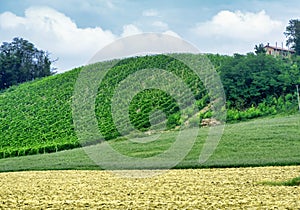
x=36 y=117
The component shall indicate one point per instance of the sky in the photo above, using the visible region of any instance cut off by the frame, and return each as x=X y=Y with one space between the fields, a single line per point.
x=74 y=30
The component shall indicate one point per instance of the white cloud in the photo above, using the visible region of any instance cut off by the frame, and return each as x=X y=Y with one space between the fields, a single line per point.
x=238 y=25
x=51 y=30
x=129 y=30
x=144 y=44
x=160 y=24
x=150 y=13
x=9 y=20
x=237 y=32
x=110 y=4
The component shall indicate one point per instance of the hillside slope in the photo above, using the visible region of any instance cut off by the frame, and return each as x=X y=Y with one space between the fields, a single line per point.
x=36 y=117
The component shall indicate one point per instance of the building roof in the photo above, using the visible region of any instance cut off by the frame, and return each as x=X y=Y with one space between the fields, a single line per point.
x=280 y=49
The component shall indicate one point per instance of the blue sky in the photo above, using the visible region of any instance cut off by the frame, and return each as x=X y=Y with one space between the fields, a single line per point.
x=73 y=30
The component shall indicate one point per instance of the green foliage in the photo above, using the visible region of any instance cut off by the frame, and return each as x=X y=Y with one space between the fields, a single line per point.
x=20 y=61
x=260 y=49
x=270 y=106
x=147 y=101
x=218 y=60
x=293 y=35
x=249 y=79
x=36 y=117
x=266 y=141
x=291 y=182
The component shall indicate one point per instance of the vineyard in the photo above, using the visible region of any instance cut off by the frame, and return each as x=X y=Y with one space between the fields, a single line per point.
x=36 y=117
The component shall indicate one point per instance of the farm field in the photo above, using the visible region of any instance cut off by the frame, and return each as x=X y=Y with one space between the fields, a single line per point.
x=120 y=112
x=232 y=188
x=44 y=115
x=38 y=137
x=259 y=142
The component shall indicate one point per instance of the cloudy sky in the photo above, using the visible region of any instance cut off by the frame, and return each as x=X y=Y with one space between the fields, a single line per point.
x=74 y=30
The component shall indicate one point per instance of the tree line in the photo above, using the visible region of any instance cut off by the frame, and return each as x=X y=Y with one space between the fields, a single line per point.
x=251 y=79
x=21 y=61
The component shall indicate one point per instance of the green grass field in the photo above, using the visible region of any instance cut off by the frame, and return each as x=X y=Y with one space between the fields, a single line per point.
x=259 y=142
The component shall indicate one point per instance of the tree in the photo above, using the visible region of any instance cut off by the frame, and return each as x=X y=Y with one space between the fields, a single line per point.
x=260 y=49
x=250 y=79
x=293 y=35
x=20 y=61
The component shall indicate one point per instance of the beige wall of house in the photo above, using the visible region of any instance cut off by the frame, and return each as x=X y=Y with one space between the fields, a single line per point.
x=276 y=51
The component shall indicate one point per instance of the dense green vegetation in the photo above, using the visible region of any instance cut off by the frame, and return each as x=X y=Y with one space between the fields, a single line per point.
x=291 y=182
x=253 y=79
x=292 y=33
x=258 y=142
x=259 y=85
x=20 y=61
x=36 y=117
x=150 y=99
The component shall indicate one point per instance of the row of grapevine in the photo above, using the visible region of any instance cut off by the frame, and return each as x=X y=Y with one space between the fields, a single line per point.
x=36 y=117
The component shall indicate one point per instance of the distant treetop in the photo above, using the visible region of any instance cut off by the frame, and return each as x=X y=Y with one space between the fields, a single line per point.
x=21 y=61
x=293 y=35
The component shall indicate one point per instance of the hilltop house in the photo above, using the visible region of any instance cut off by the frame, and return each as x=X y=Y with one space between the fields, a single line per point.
x=278 y=51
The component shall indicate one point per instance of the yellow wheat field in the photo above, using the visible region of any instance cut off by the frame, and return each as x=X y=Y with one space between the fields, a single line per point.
x=234 y=188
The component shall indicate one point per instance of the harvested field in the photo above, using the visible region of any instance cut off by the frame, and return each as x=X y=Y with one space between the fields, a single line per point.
x=232 y=188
